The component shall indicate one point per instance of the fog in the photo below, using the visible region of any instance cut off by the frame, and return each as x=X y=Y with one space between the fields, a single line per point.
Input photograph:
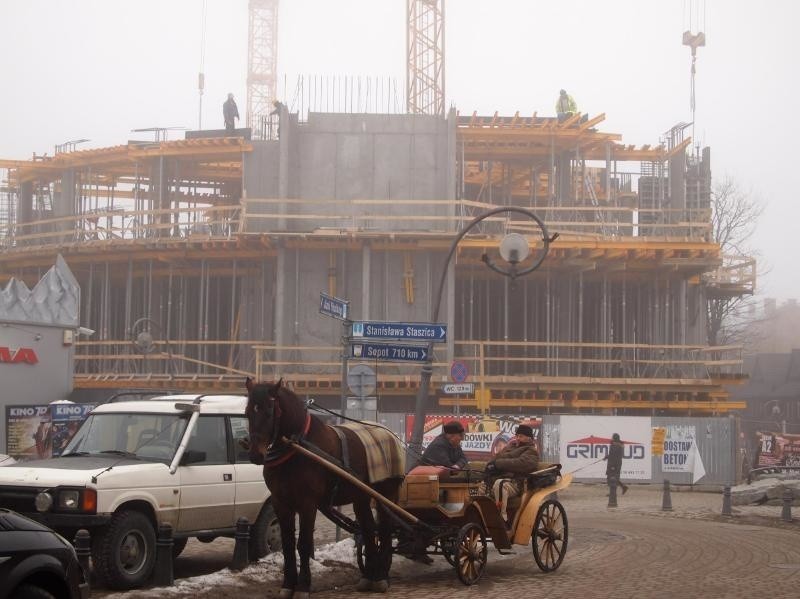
x=96 y=69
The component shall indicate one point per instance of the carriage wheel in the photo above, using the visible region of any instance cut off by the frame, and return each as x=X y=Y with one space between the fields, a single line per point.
x=470 y=553
x=550 y=535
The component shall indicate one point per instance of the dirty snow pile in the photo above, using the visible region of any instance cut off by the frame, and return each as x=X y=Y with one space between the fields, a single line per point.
x=267 y=569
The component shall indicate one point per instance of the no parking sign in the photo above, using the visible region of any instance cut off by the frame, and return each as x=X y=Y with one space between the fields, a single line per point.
x=459 y=371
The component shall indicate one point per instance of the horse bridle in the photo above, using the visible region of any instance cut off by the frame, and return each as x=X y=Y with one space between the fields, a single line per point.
x=280 y=450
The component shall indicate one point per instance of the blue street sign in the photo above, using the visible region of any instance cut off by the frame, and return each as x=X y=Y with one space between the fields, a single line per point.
x=389 y=353
x=401 y=331
x=333 y=306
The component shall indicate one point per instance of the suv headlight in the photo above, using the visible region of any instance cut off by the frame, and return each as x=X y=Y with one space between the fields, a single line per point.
x=69 y=500
x=43 y=501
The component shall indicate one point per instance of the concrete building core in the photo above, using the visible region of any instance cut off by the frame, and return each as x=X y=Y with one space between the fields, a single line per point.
x=218 y=248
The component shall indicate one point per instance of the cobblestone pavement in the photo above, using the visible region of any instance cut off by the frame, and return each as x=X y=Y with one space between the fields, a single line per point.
x=634 y=550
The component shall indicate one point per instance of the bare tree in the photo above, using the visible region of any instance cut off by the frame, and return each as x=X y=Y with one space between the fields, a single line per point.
x=734 y=217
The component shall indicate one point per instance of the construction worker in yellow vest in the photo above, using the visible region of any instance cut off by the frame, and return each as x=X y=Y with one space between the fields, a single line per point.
x=565 y=105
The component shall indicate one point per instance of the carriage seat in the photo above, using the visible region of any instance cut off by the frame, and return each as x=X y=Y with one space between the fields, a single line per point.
x=534 y=481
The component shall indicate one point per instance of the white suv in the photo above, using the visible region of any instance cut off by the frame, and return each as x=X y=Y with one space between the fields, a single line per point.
x=133 y=465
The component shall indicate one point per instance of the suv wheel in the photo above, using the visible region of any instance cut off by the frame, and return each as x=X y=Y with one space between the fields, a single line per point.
x=125 y=554
x=265 y=534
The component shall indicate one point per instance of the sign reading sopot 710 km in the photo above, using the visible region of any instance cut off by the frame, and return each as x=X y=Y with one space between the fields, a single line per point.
x=389 y=352
x=401 y=331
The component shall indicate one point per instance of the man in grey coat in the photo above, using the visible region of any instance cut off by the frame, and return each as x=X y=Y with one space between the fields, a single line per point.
x=445 y=449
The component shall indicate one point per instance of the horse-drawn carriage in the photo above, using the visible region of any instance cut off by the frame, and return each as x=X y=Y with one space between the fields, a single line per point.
x=428 y=512
x=459 y=519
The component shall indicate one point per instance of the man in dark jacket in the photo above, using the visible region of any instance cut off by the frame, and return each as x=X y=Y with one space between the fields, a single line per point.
x=506 y=474
x=614 y=467
x=445 y=449
x=229 y=112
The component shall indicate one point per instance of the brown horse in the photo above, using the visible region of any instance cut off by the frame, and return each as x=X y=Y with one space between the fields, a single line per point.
x=299 y=485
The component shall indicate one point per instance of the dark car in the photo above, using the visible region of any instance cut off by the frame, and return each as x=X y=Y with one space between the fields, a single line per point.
x=37 y=563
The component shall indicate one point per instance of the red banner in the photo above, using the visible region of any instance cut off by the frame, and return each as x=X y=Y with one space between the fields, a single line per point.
x=484 y=436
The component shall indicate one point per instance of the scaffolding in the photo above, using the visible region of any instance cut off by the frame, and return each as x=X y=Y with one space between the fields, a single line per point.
x=163 y=234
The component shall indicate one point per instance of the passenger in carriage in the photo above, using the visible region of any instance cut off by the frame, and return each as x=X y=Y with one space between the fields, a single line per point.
x=506 y=474
x=445 y=449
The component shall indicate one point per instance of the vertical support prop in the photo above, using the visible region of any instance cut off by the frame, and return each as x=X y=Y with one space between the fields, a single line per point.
x=240 y=556
x=786 y=513
x=726 y=501
x=83 y=549
x=666 y=499
x=164 y=576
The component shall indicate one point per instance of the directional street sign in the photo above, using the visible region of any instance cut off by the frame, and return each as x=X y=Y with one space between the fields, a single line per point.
x=333 y=306
x=457 y=388
x=401 y=331
x=389 y=353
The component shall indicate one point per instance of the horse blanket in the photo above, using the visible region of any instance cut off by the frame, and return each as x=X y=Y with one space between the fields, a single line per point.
x=385 y=455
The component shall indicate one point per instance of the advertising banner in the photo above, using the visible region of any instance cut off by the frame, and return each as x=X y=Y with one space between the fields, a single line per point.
x=484 y=436
x=680 y=452
x=65 y=418
x=28 y=432
x=38 y=432
x=584 y=442
x=778 y=449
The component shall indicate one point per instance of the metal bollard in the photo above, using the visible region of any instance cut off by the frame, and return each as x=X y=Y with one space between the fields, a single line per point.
x=786 y=513
x=163 y=576
x=83 y=549
x=612 y=492
x=726 y=501
x=240 y=549
x=666 y=499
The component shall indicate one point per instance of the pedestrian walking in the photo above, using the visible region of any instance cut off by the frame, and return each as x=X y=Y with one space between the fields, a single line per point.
x=614 y=467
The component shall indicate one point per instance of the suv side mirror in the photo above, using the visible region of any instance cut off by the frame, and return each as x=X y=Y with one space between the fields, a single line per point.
x=192 y=456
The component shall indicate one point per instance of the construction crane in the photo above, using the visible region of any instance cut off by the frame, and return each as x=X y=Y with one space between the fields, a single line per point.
x=262 y=63
x=425 y=53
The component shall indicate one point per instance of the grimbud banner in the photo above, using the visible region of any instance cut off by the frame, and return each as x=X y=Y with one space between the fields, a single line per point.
x=584 y=442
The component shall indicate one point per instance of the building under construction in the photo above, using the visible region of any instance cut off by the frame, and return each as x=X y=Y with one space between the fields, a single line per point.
x=217 y=249
x=202 y=260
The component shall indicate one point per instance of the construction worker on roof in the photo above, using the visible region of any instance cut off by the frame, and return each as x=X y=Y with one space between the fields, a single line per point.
x=565 y=105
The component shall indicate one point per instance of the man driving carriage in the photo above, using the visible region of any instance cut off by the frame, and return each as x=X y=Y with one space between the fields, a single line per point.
x=445 y=449
x=506 y=474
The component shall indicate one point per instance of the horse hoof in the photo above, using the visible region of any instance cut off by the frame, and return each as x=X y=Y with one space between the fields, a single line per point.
x=364 y=585
x=285 y=593
x=380 y=586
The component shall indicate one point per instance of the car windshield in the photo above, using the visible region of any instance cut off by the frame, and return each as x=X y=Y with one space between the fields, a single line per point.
x=133 y=435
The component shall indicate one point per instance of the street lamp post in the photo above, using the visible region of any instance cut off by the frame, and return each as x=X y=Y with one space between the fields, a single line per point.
x=513 y=249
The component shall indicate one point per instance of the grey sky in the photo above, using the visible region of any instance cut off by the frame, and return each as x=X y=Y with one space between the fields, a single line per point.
x=98 y=68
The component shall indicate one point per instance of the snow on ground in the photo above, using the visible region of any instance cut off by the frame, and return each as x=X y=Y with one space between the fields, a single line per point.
x=268 y=570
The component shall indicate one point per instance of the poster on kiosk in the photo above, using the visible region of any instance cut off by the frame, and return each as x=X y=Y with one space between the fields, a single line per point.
x=584 y=442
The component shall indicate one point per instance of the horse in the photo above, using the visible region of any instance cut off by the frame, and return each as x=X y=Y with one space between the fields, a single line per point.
x=300 y=485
